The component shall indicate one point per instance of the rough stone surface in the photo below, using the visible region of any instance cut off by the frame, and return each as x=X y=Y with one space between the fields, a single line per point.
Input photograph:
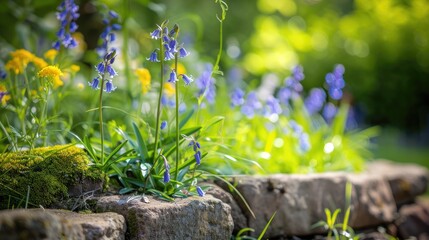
x=414 y=221
x=240 y=220
x=96 y=226
x=190 y=218
x=406 y=180
x=300 y=200
x=30 y=224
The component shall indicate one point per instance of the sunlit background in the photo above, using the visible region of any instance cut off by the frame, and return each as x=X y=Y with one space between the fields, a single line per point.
x=384 y=46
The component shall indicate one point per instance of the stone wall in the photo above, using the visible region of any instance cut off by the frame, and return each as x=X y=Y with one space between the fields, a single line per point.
x=385 y=197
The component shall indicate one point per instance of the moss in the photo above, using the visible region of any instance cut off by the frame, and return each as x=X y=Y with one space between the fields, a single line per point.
x=48 y=171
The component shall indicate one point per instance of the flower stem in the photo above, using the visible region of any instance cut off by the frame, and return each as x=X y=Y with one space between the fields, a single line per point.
x=158 y=111
x=177 y=119
x=100 y=116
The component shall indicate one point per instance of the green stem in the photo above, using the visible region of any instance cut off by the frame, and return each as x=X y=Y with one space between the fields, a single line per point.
x=12 y=142
x=125 y=32
x=158 y=111
x=100 y=117
x=177 y=119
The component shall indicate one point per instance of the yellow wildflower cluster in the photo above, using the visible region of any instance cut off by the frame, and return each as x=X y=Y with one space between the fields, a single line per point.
x=51 y=54
x=4 y=96
x=52 y=73
x=144 y=77
x=21 y=58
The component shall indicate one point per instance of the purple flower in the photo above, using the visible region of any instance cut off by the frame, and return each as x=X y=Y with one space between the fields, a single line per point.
x=272 y=106
x=251 y=106
x=329 y=112
x=108 y=36
x=67 y=15
x=172 y=45
x=113 y=14
x=153 y=57
x=315 y=100
x=183 y=53
x=100 y=68
x=187 y=79
x=304 y=142
x=200 y=192
x=163 y=125
x=335 y=82
x=197 y=156
x=111 y=71
x=156 y=34
x=173 y=76
x=109 y=87
x=206 y=85
x=95 y=82
x=237 y=97
x=167 y=171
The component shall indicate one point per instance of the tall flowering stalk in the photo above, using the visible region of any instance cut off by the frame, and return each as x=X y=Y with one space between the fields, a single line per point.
x=103 y=82
x=67 y=15
x=169 y=49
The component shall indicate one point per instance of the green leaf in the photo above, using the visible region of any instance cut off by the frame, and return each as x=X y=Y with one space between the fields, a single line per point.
x=186 y=118
x=267 y=225
x=142 y=148
x=213 y=121
x=126 y=190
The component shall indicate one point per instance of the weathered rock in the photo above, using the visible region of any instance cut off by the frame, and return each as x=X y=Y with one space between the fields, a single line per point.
x=300 y=200
x=29 y=224
x=96 y=226
x=190 y=218
x=414 y=221
x=240 y=220
x=407 y=181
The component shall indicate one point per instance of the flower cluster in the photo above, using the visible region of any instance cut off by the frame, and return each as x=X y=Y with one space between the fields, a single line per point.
x=108 y=36
x=4 y=95
x=67 y=15
x=315 y=100
x=105 y=73
x=335 y=82
x=196 y=146
x=292 y=85
x=206 y=85
x=52 y=73
x=21 y=58
x=3 y=74
x=171 y=50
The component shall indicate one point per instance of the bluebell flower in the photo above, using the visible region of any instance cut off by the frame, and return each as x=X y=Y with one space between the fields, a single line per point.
x=335 y=82
x=237 y=97
x=251 y=106
x=153 y=56
x=292 y=86
x=100 y=68
x=110 y=70
x=206 y=85
x=296 y=128
x=67 y=15
x=200 y=192
x=329 y=112
x=272 y=106
x=173 y=76
x=186 y=79
x=109 y=86
x=156 y=34
x=298 y=73
x=197 y=156
x=108 y=36
x=172 y=46
x=163 y=125
x=95 y=82
x=315 y=100
x=167 y=171
x=182 y=52
x=168 y=55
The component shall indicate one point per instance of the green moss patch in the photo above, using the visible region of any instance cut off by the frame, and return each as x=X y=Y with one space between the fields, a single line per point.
x=47 y=172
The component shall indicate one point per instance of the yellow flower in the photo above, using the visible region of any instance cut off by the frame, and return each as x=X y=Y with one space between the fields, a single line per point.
x=144 y=77
x=14 y=65
x=80 y=86
x=23 y=56
x=169 y=89
x=74 y=68
x=53 y=73
x=40 y=63
x=180 y=68
x=4 y=96
x=51 y=54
